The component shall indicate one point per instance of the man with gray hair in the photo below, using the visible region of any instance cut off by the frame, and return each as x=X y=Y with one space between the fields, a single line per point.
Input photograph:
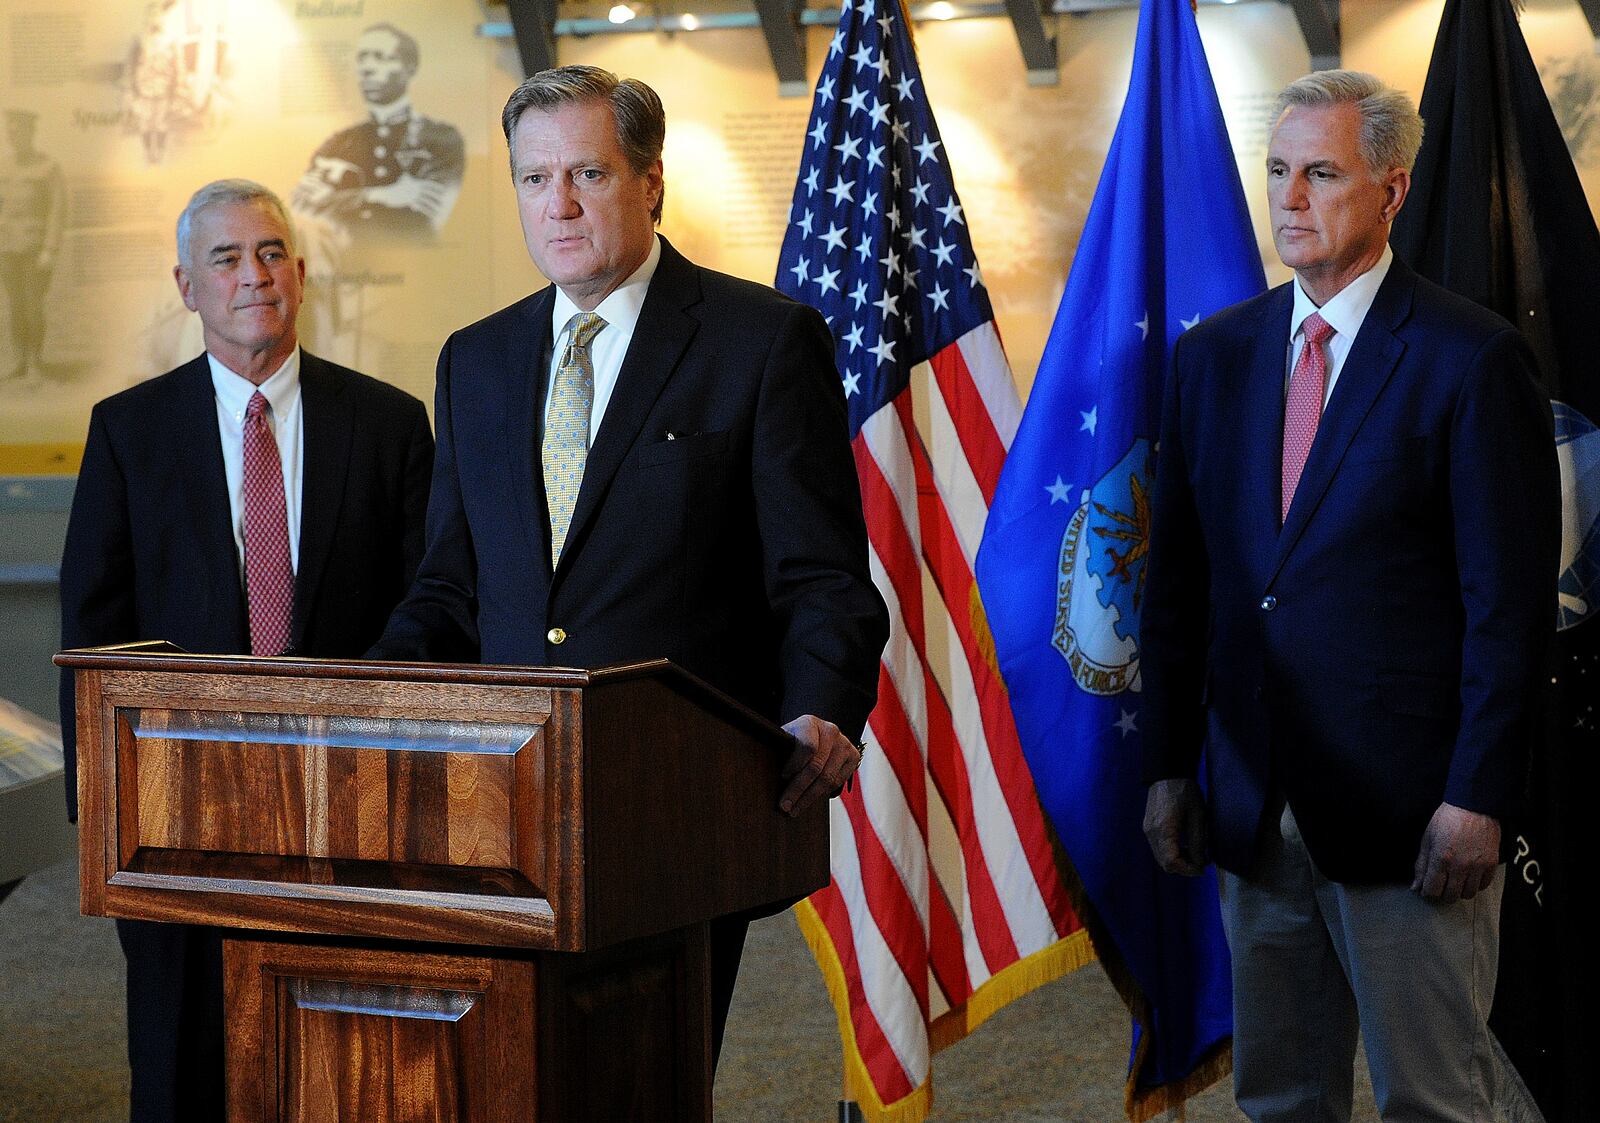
x=1352 y=568
x=647 y=459
x=257 y=500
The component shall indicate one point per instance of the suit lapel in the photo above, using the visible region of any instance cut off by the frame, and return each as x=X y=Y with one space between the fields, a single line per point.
x=659 y=341
x=327 y=418
x=1366 y=371
x=196 y=441
x=1263 y=420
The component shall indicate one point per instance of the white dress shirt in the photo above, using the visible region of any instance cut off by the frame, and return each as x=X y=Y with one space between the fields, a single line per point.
x=284 y=415
x=1344 y=313
x=620 y=311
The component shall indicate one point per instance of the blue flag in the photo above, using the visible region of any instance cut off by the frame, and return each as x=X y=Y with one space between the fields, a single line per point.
x=1061 y=570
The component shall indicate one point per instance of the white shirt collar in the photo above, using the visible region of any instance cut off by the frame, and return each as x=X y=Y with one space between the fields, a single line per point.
x=1348 y=307
x=234 y=390
x=620 y=309
x=394 y=113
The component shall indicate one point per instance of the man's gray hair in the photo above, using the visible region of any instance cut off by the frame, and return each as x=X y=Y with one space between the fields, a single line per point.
x=227 y=191
x=635 y=107
x=1391 y=130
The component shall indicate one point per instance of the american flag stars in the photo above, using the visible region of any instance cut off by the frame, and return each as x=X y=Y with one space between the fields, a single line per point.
x=878 y=240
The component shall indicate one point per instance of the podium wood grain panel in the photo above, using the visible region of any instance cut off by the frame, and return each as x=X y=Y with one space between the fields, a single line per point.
x=440 y=794
x=342 y=1033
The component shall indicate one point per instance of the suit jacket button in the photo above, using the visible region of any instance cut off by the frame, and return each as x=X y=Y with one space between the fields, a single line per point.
x=556 y=635
x=1268 y=603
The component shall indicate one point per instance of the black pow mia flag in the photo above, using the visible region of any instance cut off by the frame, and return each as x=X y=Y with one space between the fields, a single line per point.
x=1497 y=213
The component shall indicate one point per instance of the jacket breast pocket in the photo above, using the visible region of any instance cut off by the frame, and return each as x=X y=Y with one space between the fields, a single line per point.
x=681 y=448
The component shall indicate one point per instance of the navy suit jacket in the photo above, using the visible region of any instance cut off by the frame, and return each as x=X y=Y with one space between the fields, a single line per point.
x=150 y=552
x=1384 y=651
x=718 y=524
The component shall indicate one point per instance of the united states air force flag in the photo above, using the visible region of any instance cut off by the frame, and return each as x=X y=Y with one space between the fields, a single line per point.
x=1061 y=570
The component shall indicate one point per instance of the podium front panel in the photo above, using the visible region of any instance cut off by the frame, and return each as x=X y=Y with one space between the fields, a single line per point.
x=245 y=794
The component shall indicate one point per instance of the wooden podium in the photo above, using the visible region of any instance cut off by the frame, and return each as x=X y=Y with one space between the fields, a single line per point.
x=461 y=893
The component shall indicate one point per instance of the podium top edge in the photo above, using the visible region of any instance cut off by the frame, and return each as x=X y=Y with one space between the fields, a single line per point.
x=161 y=656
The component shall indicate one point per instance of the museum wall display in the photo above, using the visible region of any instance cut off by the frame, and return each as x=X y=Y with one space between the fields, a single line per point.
x=378 y=121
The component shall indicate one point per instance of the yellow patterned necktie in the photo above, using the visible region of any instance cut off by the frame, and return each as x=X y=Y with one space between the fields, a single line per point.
x=566 y=427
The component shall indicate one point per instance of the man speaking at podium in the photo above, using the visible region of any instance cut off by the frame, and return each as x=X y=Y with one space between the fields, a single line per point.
x=256 y=499
x=647 y=459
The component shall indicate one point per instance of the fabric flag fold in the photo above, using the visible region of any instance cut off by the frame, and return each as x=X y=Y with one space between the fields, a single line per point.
x=1167 y=242
x=945 y=902
x=1498 y=214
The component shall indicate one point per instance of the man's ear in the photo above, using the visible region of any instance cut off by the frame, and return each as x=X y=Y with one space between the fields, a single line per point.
x=1396 y=186
x=181 y=276
x=654 y=178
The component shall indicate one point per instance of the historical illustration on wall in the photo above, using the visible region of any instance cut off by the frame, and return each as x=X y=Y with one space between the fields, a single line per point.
x=394 y=174
x=32 y=214
x=373 y=120
x=1573 y=83
x=175 y=79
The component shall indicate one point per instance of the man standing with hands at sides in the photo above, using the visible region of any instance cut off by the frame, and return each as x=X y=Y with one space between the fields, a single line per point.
x=647 y=459
x=1351 y=582
x=255 y=499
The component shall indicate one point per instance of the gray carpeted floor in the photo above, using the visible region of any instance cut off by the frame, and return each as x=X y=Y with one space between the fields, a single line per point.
x=1057 y=1054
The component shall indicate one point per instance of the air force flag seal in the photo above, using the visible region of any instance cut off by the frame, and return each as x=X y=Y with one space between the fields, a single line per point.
x=1100 y=582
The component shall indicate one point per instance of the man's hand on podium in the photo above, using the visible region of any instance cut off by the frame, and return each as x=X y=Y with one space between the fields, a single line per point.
x=823 y=759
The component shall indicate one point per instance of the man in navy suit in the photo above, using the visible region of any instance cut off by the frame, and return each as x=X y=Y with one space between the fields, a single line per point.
x=162 y=544
x=1353 y=553
x=647 y=459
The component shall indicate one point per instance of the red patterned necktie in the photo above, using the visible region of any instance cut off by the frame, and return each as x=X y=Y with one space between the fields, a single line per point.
x=1303 y=409
x=268 y=573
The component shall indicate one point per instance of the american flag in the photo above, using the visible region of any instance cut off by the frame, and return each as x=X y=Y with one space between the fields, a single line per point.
x=945 y=902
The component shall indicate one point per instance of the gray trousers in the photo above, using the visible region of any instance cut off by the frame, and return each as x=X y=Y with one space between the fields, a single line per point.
x=1314 y=962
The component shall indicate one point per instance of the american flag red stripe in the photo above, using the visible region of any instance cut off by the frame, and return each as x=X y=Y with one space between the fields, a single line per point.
x=871 y=1046
x=888 y=524
x=892 y=908
x=982 y=444
x=945 y=901
x=951 y=567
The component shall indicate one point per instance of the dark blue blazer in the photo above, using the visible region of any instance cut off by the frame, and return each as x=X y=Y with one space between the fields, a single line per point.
x=1385 y=649
x=719 y=522
x=150 y=552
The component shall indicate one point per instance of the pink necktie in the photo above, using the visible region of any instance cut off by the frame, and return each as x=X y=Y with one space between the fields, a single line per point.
x=268 y=574
x=1303 y=410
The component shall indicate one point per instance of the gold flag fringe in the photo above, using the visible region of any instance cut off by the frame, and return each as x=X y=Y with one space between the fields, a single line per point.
x=1025 y=975
x=1145 y=1105
x=982 y=637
